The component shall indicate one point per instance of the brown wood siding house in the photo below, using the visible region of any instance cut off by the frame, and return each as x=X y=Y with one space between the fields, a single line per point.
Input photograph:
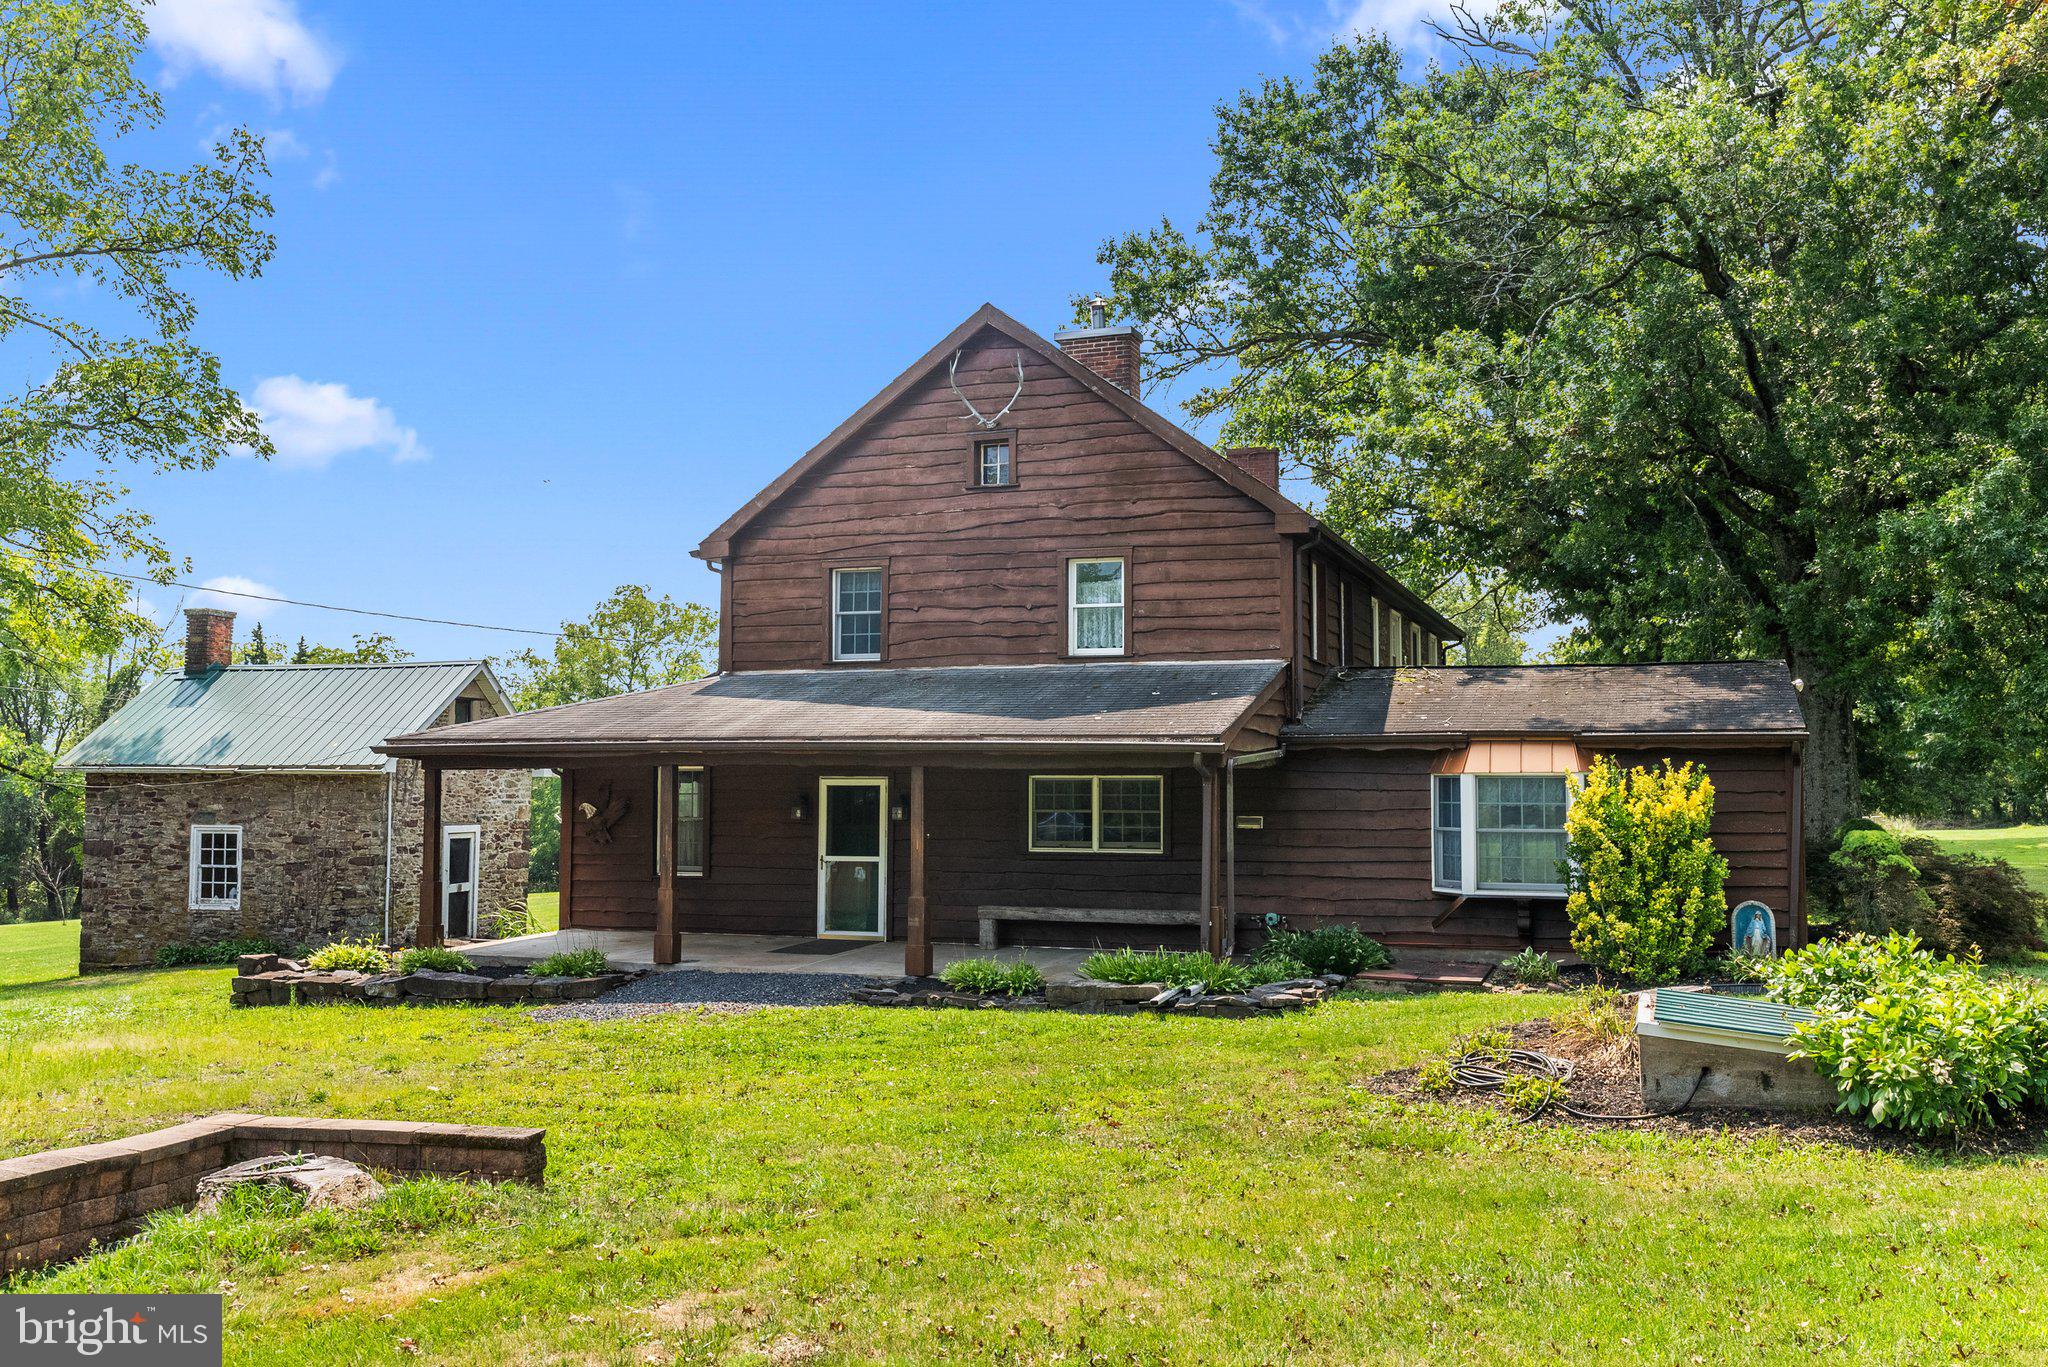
x=1007 y=638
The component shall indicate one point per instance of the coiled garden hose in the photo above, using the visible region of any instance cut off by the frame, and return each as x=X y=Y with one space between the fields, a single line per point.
x=1488 y=1070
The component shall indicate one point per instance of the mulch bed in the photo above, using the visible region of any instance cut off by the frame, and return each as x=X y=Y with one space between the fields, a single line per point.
x=1608 y=1079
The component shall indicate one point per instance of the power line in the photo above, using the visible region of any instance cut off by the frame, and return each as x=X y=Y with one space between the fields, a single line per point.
x=326 y=607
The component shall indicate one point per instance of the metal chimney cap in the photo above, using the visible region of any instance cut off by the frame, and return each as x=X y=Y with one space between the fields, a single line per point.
x=1098 y=312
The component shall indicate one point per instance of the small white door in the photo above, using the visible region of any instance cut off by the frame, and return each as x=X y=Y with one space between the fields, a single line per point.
x=458 y=881
x=853 y=858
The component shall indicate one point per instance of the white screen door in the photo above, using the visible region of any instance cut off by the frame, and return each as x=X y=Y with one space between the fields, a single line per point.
x=853 y=843
x=458 y=881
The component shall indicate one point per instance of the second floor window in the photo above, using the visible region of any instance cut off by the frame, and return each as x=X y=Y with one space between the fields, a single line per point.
x=992 y=467
x=1095 y=606
x=856 y=614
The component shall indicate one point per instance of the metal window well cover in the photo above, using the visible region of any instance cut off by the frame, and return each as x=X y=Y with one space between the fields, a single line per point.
x=1687 y=1013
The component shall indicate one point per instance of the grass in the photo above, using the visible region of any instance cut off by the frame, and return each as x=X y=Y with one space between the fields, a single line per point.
x=2026 y=847
x=854 y=1184
x=37 y=952
x=545 y=909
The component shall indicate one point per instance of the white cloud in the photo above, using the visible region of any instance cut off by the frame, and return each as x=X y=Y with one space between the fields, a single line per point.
x=1313 y=25
x=261 y=45
x=282 y=144
x=310 y=422
x=328 y=173
x=1405 y=21
x=230 y=592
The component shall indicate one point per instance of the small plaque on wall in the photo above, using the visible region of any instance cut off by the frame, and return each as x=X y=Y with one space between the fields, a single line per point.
x=1251 y=823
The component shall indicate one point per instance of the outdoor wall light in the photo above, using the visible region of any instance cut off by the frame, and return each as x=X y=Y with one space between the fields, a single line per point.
x=800 y=810
x=898 y=811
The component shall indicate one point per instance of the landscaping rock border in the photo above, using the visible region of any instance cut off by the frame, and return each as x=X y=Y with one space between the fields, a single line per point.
x=1086 y=996
x=272 y=980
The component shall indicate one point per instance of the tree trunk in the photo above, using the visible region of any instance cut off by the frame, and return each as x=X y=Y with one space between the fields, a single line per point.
x=1833 y=783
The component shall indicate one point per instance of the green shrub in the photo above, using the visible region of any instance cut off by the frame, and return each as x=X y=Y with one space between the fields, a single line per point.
x=1989 y=899
x=1530 y=1092
x=436 y=957
x=1435 y=1076
x=1877 y=891
x=1645 y=882
x=1333 y=948
x=1736 y=966
x=990 y=977
x=571 y=963
x=212 y=952
x=1530 y=968
x=1595 y=1016
x=1919 y=1043
x=361 y=956
x=1174 y=969
x=512 y=919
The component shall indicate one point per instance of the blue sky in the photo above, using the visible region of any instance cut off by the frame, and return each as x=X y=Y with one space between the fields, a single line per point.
x=557 y=289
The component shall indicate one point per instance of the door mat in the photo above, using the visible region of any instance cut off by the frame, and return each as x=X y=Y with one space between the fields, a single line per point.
x=822 y=946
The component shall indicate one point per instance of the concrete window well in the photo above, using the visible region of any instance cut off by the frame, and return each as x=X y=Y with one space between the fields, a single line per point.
x=1725 y=1050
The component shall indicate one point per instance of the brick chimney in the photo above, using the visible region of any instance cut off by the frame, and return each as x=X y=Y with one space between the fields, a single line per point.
x=1260 y=462
x=1111 y=352
x=209 y=639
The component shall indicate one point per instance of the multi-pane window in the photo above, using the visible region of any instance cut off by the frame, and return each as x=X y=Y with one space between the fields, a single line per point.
x=1098 y=815
x=216 y=867
x=856 y=614
x=693 y=832
x=1095 y=606
x=1315 y=610
x=1499 y=833
x=992 y=462
x=1449 y=826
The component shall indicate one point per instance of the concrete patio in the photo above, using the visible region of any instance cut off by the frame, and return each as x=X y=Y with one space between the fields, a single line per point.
x=753 y=953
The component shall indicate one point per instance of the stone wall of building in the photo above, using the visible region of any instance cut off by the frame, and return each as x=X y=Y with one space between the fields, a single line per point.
x=313 y=856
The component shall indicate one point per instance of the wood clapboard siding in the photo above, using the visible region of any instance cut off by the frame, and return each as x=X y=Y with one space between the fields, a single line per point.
x=978 y=576
x=762 y=878
x=1347 y=837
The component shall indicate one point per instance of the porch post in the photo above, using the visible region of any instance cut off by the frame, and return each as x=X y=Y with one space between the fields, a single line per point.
x=665 y=951
x=1212 y=914
x=565 y=864
x=917 y=950
x=427 y=929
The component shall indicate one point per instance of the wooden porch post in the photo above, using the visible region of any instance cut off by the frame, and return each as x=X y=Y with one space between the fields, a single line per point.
x=1212 y=914
x=427 y=930
x=917 y=950
x=665 y=948
x=565 y=900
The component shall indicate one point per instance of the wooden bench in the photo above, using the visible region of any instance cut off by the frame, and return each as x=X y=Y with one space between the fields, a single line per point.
x=993 y=917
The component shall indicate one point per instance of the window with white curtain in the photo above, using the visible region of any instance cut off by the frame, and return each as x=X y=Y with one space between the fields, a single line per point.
x=1095 y=606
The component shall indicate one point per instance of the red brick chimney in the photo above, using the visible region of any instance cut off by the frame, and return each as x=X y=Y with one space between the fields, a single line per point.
x=1111 y=352
x=1260 y=462
x=209 y=639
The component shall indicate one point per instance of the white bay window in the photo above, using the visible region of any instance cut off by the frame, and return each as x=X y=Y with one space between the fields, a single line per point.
x=1499 y=834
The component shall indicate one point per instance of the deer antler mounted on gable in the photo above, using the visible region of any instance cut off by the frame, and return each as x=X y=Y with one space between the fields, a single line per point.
x=952 y=378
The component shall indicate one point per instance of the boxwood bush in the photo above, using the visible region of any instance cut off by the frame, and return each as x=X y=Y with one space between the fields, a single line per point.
x=1922 y=1044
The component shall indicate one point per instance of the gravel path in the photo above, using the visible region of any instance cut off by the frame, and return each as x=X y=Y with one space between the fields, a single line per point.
x=695 y=989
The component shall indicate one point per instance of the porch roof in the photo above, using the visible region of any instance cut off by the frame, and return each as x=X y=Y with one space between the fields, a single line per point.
x=1195 y=705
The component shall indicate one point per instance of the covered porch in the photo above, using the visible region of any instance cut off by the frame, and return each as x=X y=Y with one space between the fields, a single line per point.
x=915 y=813
x=714 y=952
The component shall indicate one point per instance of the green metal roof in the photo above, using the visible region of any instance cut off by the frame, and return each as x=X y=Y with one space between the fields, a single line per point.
x=275 y=716
x=1722 y=1011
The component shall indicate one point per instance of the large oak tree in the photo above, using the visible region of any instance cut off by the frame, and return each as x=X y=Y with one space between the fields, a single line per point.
x=1721 y=326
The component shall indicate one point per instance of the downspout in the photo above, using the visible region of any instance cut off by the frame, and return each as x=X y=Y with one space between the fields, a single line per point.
x=390 y=779
x=1257 y=758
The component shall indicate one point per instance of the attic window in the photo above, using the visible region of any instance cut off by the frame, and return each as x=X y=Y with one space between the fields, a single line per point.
x=465 y=710
x=994 y=463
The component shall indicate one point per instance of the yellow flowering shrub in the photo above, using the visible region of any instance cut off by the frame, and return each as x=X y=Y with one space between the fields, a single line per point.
x=1645 y=881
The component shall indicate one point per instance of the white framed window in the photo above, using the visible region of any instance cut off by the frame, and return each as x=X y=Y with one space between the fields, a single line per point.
x=1315 y=610
x=214 y=877
x=1378 y=655
x=1344 y=624
x=1397 y=632
x=857 y=614
x=693 y=823
x=1095 y=606
x=1499 y=834
x=1097 y=814
x=993 y=466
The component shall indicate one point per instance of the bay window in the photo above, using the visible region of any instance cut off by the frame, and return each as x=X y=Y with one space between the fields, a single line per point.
x=1498 y=834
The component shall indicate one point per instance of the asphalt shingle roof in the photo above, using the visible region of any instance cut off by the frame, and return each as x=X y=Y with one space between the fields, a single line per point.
x=272 y=717
x=1741 y=697
x=1194 y=703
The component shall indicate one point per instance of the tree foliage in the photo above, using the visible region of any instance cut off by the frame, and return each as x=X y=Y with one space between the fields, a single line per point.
x=1720 y=327
x=79 y=223
x=632 y=641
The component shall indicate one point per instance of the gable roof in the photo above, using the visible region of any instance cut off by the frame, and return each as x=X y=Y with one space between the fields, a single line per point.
x=1289 y=517
x=277 y=717
x=1733 y=698
x=1054 y=706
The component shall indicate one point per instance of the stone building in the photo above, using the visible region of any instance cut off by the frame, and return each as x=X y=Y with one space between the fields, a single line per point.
x=230 y=801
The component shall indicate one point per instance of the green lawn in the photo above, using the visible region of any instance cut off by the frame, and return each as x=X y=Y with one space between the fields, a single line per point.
x=854 y=1184
x=38 y=951
x=2025 y=846
x=545 y=909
